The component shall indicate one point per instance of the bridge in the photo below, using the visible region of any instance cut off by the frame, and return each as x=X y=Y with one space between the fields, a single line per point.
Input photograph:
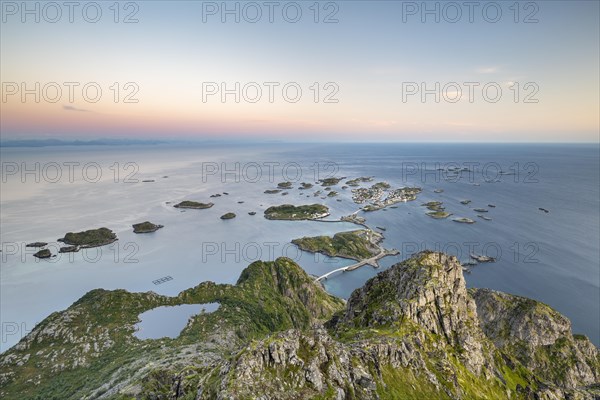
x=373 y=261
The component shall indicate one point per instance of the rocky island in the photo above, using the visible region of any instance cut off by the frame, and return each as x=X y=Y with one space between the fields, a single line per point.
x=482 y=258
x=379 y=197
x=45 y=253
x=330 y=181
x=193 y=205
x=436 y=210
x=36 y=244
x=361 y=245
x=91 y=238
x=228 y=215
x=146 y=227
x=434 y=206
x=69 y=249
x=464 y=220
x=357 y=181
x=284 y=185
x=413 y=331
x=356 y=245
x=438 y=214
x=291 y=212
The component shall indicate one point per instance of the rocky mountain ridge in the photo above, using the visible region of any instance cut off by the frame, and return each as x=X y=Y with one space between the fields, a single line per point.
x=414 y=331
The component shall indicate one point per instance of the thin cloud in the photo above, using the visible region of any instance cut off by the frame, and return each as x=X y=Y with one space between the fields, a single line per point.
x=487 y=70
x=71 y=108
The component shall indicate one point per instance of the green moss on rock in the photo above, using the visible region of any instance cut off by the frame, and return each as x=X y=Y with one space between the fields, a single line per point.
x=146 y=227
x=291 y=212
x=193 y=205
x=90 y=238
x=356 y=245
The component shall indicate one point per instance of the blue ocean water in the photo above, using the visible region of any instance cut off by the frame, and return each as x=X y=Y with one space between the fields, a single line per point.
x=552 y=257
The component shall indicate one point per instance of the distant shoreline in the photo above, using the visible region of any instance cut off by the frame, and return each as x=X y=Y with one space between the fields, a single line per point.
x=27 y=143
x=57 y=142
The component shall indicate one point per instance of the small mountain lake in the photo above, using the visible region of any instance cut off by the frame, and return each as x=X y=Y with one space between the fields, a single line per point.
x=169 y=321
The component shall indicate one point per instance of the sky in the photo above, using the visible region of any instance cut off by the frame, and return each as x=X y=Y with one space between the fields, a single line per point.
x=346 y=70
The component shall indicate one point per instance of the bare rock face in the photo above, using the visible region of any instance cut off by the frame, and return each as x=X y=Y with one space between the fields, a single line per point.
x=301 y=365
x=415 y=319
x=298 y=365
x=539 y=337
x=430 y=291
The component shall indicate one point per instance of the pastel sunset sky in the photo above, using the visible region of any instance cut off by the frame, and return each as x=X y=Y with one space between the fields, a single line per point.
x=375 y=61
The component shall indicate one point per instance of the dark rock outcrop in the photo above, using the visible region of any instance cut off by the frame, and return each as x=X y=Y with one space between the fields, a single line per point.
x=193 y=205
x=146 y=227
x=45 y=253
x=69 y=249
x=36 y=244
x=90 y=238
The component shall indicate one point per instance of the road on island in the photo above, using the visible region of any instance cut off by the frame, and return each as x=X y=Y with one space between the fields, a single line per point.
x=373 y=261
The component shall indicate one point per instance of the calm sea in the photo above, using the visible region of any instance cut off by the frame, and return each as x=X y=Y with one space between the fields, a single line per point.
x=552 y=257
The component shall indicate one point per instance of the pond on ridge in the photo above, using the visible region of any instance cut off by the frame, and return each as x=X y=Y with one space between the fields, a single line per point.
x=169 y=321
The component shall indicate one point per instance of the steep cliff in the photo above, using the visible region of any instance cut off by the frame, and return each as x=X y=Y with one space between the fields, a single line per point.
x=412 y=332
